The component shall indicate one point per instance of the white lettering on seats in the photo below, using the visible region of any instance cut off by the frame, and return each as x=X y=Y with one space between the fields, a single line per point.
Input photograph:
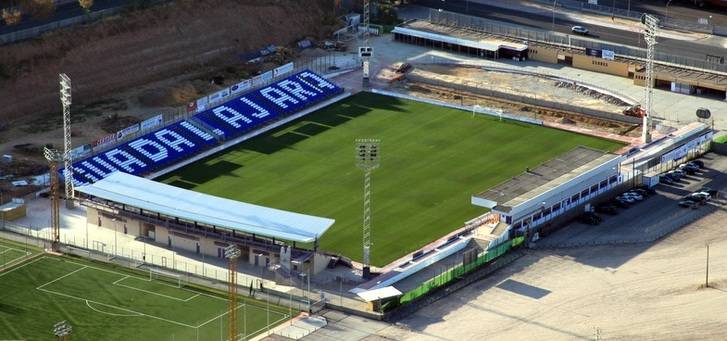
x=196 y=131
x=160 y=153
x=281 y=99
x=125 y=163
x=296 y=89
x=172 y=143
x=260 y=113
x=320 y=82
x=231 y=119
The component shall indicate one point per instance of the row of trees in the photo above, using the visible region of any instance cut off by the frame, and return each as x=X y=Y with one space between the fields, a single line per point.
x=36 y=9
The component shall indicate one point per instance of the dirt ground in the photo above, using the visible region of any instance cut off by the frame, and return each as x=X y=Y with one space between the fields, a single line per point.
x=142 y=63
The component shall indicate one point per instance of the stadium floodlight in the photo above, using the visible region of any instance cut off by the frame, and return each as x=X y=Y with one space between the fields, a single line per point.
x=62 y=330
x=651 y=25
x=232 y=253
x=54 y=157
x=65 y=93
x=368 y=158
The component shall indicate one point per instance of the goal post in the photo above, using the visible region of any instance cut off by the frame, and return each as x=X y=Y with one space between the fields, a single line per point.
x=165 y=277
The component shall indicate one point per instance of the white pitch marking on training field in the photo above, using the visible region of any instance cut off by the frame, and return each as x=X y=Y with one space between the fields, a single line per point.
x=220 y=315
x=135 y=314
x=62 y=277
x=116 y=307
x=24 y=265
x=144 y=279
x=154 y=293
x=120 y=279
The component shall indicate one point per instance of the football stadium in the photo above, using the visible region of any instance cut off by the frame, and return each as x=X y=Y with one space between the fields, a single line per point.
x=432 y=160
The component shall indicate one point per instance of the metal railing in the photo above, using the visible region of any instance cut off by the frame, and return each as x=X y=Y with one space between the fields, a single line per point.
x=497 y=28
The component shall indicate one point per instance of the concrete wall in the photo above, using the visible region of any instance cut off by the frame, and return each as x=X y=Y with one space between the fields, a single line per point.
x=601 y=65
x=543 y=54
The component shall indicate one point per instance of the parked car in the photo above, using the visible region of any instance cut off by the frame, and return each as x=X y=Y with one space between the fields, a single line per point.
x=688 y=203
x=626 y=199
x=703 y=195
x=666 y=180
x=646 y=189
x=688 y=169
x=620 y=203
x=579 y=30
x=698 y=163
x=633 y=195
x=403 y=68
x=710 y=191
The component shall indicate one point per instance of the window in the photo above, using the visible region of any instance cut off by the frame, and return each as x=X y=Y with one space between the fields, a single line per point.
x=518 y=225
x=594 y=188
x=537 y=216
x=603 y=184
x=546 y=211
x=584 y=193
x=575 y=197
x=555 y=207
x=613 y=179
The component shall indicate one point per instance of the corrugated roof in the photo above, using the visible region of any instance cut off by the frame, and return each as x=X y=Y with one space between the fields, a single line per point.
x=207 y=209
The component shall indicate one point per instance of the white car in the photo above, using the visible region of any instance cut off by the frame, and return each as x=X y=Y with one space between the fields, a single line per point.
x=579 y=30
x=626 y=198
x=633 y=195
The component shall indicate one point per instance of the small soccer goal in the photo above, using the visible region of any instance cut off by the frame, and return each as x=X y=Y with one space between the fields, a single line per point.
x=167 y=278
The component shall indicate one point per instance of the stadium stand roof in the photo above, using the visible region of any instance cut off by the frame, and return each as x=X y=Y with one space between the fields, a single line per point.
x=207 y=209
x=548 y=175
x=456 y=35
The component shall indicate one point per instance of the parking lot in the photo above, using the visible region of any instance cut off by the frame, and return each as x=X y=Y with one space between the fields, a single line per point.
x=652 y=218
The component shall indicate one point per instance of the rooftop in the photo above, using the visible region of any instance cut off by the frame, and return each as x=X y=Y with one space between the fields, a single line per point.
x=457 y=35
x=161 y=198
x=546 y=176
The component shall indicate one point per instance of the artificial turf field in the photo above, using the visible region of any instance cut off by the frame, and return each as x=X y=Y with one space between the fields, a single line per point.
x=432 y=160
x=104 y=302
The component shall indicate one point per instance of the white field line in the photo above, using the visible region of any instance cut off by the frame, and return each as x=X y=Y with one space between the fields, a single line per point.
x=120 y=279
x=271 y=324
x=153 y=293
x=62 y=277
x=24 y=265
x=116 y=307
x=218 y=316
x=112 y=306
x=107 y=313
x=144 y=279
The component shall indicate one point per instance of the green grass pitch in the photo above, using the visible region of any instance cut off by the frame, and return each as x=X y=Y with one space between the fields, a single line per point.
x=432 y=160
x=104 y=302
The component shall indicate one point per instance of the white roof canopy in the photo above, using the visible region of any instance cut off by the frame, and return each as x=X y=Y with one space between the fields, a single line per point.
x=379 y=294
x=207 y=209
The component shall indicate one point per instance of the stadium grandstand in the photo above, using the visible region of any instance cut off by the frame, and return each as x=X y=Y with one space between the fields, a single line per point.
x=208 y=129
x=204 y=224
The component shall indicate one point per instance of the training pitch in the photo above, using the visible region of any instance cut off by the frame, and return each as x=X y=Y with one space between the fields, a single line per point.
x=102 y=302
x=432 y=160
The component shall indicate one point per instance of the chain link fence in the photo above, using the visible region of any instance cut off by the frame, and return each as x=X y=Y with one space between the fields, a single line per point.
x=488 y=26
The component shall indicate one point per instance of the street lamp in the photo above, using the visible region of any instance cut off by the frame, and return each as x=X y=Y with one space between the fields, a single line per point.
x=62 y=330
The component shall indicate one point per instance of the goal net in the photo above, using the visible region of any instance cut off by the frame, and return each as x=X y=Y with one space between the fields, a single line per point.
x=164 y=277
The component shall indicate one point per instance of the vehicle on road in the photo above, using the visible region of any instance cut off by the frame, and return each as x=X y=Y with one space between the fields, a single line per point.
x=698 y=163
x=708 y=190
x=688 y=203
x=579 y=30
x=606 y=208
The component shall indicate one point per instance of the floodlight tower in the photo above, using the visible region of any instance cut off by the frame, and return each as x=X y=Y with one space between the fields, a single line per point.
x=651 y=25
x=366 y=51
x=368 y=159
x=67 y=170
x=62 y=330
x=232 y=253
x=54 y=157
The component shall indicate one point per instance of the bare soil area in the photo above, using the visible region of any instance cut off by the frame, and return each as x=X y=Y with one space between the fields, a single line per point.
x=143 y=63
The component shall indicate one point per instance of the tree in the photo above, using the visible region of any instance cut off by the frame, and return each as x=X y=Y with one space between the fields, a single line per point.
x=12 y=16
x=86 y=4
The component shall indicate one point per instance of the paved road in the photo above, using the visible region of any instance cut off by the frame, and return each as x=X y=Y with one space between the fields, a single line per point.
x=680 y=9
x=676 y=47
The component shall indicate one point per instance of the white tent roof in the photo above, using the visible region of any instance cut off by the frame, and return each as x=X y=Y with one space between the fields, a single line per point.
x=378 y=294
x=207 y=209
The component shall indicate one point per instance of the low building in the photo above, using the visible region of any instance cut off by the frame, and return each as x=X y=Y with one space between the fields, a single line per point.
x=204 y=224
